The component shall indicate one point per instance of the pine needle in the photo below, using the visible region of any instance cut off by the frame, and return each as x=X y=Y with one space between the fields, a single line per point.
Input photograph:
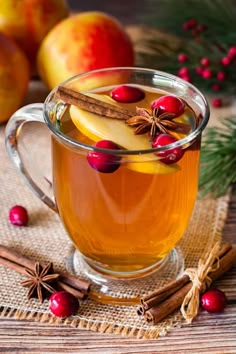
x=218 y=159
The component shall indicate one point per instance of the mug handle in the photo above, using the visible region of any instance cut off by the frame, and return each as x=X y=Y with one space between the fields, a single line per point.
x=40 y=185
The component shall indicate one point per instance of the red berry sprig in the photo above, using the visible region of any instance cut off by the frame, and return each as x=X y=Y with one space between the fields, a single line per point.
x=214 y=70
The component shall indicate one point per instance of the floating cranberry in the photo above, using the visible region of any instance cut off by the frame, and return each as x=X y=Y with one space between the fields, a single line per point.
x=170 y=104
x=18 y=216
x=63 y=304
x=127 y=94
x=214 y=300
x=167 y=156
x=217 y=102
x=104 y=162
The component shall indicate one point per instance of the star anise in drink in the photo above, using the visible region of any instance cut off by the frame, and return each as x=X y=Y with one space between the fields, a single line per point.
x=39 y=281
x=154 y=121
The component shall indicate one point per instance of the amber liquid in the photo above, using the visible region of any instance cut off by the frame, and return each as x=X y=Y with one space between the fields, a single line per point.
x=126 y=220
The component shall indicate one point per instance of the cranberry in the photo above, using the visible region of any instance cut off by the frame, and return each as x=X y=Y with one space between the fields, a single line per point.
x=18 y=216
x=183 y=71
x=207 y=73
x=101 y=161
x=205 y=61
x=221 y=75
x=170 y=104
x=63 y=304
x=232 y=52
x=182 y=58
x=191 y=23
x=217 y=102
x=199 y=70
x=127 y=94
x=214 y=300
x=216 y=87
x=225 y=61
x=167 y=156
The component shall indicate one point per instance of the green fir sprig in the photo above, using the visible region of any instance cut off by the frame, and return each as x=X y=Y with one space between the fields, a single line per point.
x=218 y=158
x=213 y=42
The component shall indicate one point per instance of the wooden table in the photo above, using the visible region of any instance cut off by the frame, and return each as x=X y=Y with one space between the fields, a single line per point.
x=209 y=333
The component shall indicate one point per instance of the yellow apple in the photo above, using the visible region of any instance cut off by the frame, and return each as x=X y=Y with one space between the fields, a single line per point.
x=83 y=42
x=14 y=77
x=28 y=21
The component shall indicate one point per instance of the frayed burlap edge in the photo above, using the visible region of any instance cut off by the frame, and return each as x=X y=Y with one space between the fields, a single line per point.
x=95 y=326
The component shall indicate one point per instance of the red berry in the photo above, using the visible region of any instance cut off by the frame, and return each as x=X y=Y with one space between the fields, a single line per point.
x=182 y=58
x=191 y=23
x=225 y=61
x=201 y=27
x=104 y=162
x=221 y=75
x=170 y=104
x=18 y=216
x=186 y=78
x=167 y=156
x=205 y=61
x=207 y=73
x=63 y=304
x=183 y=71
x=217 y=102
x=232 y=52
x=199 y=70
x=127 y=94
x=216 y=87
x=214 y=300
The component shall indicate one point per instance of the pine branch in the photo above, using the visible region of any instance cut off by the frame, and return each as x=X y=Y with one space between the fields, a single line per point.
x=218 y=158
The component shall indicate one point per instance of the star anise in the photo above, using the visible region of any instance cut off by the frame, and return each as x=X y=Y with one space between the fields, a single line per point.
x=154 y=121
x=38 y=281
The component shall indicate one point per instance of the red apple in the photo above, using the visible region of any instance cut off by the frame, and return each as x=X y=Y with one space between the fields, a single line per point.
x=83 y=42
x=14 y=77
x=28 y=21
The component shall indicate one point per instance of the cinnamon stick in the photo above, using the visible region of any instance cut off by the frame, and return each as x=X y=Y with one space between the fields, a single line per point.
x=92 y=104
x=18 y=262
x=159 y=304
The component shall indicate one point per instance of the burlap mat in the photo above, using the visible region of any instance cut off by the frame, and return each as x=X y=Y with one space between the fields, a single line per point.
x=45 y=240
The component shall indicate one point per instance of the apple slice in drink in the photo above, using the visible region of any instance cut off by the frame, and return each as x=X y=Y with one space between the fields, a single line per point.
x=98 y=127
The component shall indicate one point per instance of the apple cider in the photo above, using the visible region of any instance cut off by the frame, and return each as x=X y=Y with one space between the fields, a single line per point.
x=129 y=218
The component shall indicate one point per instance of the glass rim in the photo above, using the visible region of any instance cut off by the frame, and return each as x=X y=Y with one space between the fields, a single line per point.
x=181 y=142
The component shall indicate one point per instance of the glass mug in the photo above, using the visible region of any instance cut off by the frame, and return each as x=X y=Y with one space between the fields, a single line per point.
x=124 y=224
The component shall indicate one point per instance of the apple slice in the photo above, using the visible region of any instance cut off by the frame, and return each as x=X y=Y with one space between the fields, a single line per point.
x=97 y=127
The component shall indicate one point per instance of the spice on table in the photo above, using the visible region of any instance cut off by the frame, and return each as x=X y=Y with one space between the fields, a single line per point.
x=41 y=274
x=162 y=302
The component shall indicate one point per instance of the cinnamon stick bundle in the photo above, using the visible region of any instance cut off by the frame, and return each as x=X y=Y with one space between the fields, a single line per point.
x=159 y=304
x=21 y=264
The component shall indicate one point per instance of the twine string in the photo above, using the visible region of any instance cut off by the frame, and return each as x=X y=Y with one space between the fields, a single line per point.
x=200 y=282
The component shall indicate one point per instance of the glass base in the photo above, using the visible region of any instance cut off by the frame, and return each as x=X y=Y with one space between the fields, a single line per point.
x=117 y=289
